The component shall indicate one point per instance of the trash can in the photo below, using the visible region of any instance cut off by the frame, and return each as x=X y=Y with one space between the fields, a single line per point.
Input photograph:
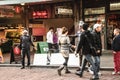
x=42 y=47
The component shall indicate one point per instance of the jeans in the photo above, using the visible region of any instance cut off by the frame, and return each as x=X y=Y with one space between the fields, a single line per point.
x=97 y=62
x=88 y=58
x=24 y=52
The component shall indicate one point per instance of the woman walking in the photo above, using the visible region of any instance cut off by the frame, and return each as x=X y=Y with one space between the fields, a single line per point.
x=116 y=51
x=64 y=43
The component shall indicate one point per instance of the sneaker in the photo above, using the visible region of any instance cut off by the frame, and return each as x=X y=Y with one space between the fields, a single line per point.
x=67 y=72
x=99 y=73
x=22 y=67
x=114 y=73
x=90 y=71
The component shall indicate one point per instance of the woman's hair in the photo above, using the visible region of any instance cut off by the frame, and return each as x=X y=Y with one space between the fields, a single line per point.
x=51 y=28
x=64 y=30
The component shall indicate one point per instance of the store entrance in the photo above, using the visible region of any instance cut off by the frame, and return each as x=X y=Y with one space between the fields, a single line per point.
x=112 y=23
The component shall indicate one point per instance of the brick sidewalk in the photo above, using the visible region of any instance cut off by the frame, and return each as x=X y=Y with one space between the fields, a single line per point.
x=15 y=73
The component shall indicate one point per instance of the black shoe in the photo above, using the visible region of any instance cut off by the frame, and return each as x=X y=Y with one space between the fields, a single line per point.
x=48 y=64
x=78 y=69
x=59 y=72
x=22 y=67
x=94 y=78
x=29 y=66
x=79 y=74
x=67 y=72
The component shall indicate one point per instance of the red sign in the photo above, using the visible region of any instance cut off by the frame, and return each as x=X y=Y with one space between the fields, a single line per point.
x=17 y=9
x=40 y=14
x=39 y=31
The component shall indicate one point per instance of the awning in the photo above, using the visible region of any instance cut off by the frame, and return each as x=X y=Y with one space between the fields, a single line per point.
x=9 y=2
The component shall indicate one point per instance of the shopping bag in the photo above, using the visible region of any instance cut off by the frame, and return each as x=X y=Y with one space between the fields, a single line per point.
x=16 y=50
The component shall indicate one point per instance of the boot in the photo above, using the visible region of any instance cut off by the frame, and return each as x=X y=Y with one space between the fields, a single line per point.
x=60 y=69
x=66 y=70
x=79 y=73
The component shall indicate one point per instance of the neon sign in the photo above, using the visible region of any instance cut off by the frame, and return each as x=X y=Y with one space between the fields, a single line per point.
x=40 y=14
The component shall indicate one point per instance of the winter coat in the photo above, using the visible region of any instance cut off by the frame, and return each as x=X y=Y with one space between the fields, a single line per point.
x=25 y=42
x=97 y=40
x=84 y=44
x=116 y=43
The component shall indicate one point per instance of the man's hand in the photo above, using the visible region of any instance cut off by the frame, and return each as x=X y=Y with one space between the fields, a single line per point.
x=98 y=51
x=114 y=52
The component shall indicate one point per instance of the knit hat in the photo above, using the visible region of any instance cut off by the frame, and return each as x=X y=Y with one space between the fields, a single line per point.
x=96 y=25
x=85 y=26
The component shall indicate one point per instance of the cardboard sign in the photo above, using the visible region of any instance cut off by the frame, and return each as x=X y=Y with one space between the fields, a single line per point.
x=55 y=59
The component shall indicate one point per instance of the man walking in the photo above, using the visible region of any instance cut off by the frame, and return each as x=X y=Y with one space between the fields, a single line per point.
x=84 y=45
x=98 y=45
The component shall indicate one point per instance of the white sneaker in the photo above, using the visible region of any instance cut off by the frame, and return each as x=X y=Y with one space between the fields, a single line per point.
x=114 y=73
x=90 y=71
x=99 y=73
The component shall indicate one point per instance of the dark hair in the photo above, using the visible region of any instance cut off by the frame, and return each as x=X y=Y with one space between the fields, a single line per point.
x=85 y=26
x=64 y=30
x=51 y=28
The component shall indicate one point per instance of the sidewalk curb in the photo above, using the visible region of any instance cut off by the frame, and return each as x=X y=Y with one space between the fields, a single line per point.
x=51 y=66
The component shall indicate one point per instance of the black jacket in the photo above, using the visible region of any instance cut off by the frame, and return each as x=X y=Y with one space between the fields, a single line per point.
x=97 y=40
x=84 y=44
x=116 y=43
x=25 y=42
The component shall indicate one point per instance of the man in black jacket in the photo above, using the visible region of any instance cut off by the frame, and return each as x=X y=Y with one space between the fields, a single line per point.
x=25 y=42
x=98 y=45
x=84 y=45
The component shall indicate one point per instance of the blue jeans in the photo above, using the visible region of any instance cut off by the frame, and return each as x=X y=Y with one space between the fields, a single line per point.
x=97 y=62
x=88 y=58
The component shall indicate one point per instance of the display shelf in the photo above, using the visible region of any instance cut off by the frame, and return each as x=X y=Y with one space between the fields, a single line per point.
x=13 y=34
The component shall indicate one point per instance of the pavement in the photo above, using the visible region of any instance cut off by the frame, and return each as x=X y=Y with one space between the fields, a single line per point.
x=15 y=73
x=106 y=61
x=49 y=72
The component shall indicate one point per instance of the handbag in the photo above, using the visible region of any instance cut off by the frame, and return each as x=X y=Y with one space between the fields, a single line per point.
x=92 y=49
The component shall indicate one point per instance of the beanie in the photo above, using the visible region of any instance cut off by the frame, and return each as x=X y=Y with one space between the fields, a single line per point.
x=85 y=26
x=96 y=25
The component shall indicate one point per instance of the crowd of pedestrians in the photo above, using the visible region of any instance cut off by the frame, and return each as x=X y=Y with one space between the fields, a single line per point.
x=88 y=44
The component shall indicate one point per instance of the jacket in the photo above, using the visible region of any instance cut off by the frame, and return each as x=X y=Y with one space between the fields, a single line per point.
x=97 y=40
x=116 y=43
x=84 y=44
x=25 y=42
